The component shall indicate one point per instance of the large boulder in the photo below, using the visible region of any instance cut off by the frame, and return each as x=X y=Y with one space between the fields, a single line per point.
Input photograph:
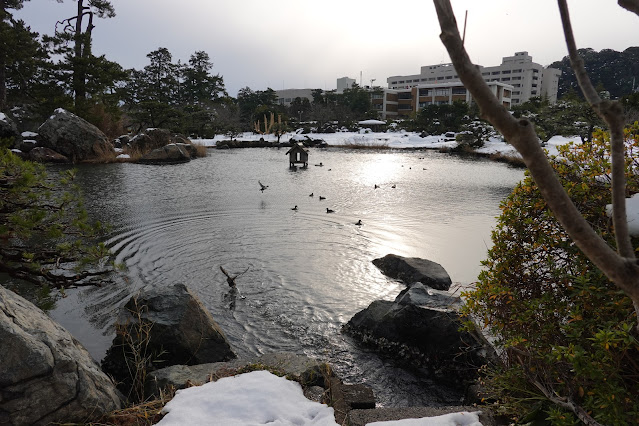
x=177 y=330
x=46 y=376
x=8 y=128
x=74 y=137
x=413 y=269
x=429 y=336
x=150 y=139
x=169 y=154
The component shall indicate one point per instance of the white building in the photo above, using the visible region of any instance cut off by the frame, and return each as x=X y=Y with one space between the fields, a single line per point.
x=287 y=96
x=345 y=83
x=528 y=78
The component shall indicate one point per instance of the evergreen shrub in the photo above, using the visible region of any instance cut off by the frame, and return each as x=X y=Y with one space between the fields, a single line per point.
x=566 y=334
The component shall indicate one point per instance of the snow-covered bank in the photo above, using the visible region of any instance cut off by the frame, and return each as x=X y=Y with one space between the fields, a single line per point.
x=259 y=397
x=395 y=140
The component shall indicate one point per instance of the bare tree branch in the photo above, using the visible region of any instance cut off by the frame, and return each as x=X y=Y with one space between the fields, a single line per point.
x=631 y=5
x=567 y=404
x=612 y=113
x=623 y=271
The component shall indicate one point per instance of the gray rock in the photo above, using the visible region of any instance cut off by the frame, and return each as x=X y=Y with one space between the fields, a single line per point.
x=46 y=155
x=180 y=332
x=412 y=269
x=177 y=376
x=46 y=376
x=73 y=137
x=421 y=295
x=8 y=128
x=27 y=145
x=169 y=154
x=121 y=141
x=429 y=337
x=364 y=417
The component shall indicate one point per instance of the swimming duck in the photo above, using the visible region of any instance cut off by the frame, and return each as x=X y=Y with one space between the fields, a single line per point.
x=329 y=210
x=322 y=198
x=359 y=222
x=294 y=208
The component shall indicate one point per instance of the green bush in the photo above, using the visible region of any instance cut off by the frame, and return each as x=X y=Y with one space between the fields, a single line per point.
x=566 y=334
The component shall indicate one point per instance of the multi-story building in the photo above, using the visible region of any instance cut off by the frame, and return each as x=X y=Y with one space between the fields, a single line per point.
x=528 y=78
x=287 y=96
x=345 y=83
x=402 y=102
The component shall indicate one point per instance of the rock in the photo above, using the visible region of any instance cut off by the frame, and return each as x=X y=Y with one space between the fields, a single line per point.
x=46 y=155
x=345 y=398
x=27 y=145
x=46 y=376
x=307 y=370
x=169 y=154
x=180 y=332
x=364 y=417
x=413 y=269
x=8 y=128
x=141 y=143
x=421 y=295
x=429 y=337
x=121 y=141
x=73 y=137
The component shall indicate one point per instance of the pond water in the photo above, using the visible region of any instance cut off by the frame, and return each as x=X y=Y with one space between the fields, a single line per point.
x=306 y=272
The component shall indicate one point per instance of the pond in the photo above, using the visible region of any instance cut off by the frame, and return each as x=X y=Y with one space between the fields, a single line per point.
x=306 y=272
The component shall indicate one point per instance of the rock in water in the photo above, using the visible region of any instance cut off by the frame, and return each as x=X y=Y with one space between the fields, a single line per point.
x=74 y=137
x=413 y=269
x=46 y=376
x=178 y=330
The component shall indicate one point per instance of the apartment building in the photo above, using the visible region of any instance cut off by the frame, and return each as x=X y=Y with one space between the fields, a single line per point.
x=528 y=78
x=401 y=102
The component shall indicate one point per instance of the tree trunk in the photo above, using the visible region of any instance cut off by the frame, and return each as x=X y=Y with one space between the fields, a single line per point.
x=79 y=72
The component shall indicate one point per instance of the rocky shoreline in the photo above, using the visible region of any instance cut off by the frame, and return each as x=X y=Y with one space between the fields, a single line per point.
x=166 y=340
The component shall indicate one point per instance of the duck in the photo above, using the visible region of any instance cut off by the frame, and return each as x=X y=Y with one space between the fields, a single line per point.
x=322 y=198
x=329 y=210
x=311 y=194
x=393 y=186
x=376 y=186
x=294 y=208
x=262 y=186
x=359 y=222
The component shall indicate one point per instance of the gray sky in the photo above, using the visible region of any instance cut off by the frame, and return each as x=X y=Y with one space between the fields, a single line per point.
x=286 y=44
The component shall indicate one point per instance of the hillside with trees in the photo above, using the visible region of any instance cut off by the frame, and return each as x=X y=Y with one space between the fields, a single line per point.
x=613 y=71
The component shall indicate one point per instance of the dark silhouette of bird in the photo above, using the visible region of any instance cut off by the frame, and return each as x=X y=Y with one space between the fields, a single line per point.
x=393 y=186
x=262 y=186
x=229 y=279
x=311 y=194
x=359 y=222
x=322 y=198
x=294 y=208
x=329 y=210
x=376 y=186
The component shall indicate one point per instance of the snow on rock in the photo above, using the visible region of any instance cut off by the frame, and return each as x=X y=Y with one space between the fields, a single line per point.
x=254 y=398
x=123 y=156
x=29 y=135
x=3 y=117
x=632 y=213
x=454 y=419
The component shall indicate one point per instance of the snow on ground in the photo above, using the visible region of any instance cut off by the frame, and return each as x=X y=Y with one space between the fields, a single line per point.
x=632 y=213
x=396 y=140
x=259 y=398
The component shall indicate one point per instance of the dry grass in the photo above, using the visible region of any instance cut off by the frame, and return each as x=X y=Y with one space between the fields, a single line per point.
x=200 y=150
x=513 y=160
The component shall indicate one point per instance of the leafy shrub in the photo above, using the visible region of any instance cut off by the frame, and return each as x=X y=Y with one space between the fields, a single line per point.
x=566 y=334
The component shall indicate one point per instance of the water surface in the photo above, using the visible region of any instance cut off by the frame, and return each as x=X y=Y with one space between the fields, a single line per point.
x=307 y=271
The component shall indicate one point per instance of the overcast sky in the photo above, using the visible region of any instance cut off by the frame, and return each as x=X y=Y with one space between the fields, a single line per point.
x=286 y=44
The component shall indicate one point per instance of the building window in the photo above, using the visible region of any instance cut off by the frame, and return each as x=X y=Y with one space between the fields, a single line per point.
x=485 y=73
x=495 y=73
x=393 y=82
x=405 y=107
x=404 y=95
x=459 y=90
x=455 y=76
x=516 y=78
x=441 y=91
x=378 y=96
x=517 y=70
x=449 y=77
x=424 y=104
x=423 y=79
x=517 y=85
x=424 y=92
x=400 y=82
x=534 y=85
x=506 y=72
x=505 y=79
x=432 y=78
x=533 y=92
x=516 y=93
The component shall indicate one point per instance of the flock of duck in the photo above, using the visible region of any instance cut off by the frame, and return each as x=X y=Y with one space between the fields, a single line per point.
x=358 y=223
